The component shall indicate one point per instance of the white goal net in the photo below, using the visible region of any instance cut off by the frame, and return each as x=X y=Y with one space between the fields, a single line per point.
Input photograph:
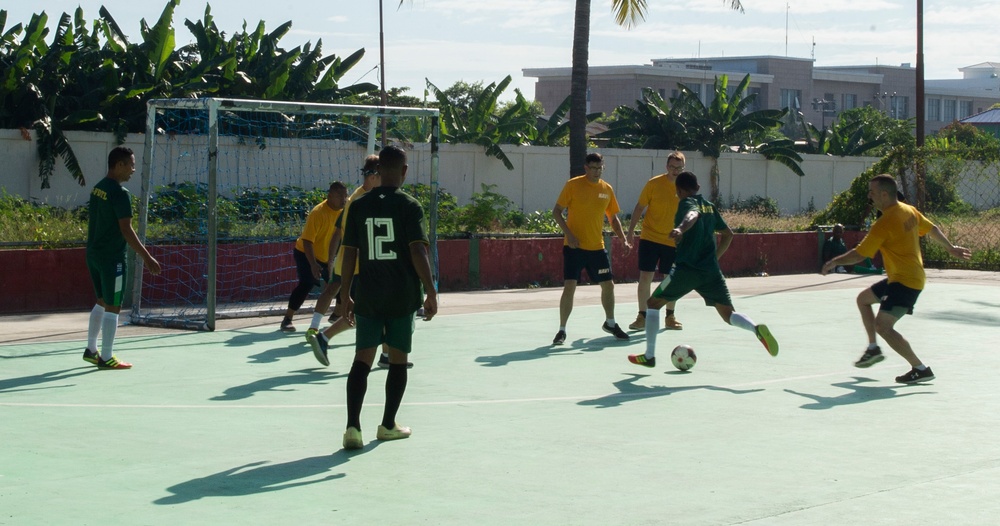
x=226 y=187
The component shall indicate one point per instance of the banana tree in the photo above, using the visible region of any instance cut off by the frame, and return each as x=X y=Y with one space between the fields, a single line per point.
x=651 y=124
x=554 y=131
x=482 y=124
x=727 y=123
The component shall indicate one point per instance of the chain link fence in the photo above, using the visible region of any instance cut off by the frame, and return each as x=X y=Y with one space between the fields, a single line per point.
x=959 y=189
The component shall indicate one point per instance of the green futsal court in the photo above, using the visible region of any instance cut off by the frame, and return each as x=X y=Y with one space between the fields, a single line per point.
x=243 y=426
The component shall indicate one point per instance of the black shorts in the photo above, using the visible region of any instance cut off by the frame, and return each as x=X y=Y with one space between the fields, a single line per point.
x=304 y=270
x=654 y=256
x=895 y=298
x=595 y=261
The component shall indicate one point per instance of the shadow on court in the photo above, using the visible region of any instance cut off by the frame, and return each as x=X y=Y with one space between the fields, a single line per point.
x=278 y=384
x=258 y=477
x=858 y=394
x=13 y=385
x=575 y=347
x=629 y=391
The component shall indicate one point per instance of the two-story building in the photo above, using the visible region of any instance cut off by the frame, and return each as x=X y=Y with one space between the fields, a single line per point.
x=820 y=93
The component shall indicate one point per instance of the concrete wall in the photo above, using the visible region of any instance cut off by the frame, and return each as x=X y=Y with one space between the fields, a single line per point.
x=61 y=282
x=538 y=176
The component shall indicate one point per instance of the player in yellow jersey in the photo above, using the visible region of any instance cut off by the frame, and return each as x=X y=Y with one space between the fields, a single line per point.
x=312 y=256
x=657 y=207
x=896 y=234
x=587 y=200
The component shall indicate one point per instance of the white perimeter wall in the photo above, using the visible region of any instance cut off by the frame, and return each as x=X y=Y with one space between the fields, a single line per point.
x=538 y=176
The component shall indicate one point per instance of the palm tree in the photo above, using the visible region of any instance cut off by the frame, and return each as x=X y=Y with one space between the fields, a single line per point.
x=728 y=124
x=627 y=14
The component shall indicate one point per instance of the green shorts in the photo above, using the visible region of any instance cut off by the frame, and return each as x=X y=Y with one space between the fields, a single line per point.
x=108 y=278
x=710 y=285
x=395 y=332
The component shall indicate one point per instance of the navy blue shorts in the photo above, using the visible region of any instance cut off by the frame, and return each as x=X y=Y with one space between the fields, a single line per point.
x=654 y=256
x=896 y=299
x=596 y=262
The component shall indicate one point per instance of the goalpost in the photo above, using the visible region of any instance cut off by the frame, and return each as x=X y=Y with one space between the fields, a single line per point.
x=226 y=187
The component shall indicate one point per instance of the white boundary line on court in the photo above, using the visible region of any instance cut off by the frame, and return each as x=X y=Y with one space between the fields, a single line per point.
x=644 y=394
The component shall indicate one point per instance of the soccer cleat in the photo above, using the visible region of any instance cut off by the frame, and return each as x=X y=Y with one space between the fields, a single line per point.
x=396 y=433
x=560 y=338
x=870 y=358
x=383 y=362
x=916 y=375
x=639 y=323
x=616 y=330
x=286 y=325
x=319 y=345
x=640 y=359
x=113 y=363
x=670 y=323
x=765 y=337
x=91 y=356
x=352 y=438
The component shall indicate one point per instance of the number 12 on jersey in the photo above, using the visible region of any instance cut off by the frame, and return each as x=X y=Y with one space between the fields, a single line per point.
x=376 y=241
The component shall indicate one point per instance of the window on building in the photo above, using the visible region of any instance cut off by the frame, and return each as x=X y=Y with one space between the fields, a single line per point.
x=964 y=108
x=674 y=93
x=899 y=107
x=933 y=110
x=948 y=113
x=663 y=93
x=831 y=104
x=850 y=101
x=790 y=98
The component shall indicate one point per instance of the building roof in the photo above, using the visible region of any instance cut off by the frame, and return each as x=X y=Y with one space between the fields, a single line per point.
x=986 y=117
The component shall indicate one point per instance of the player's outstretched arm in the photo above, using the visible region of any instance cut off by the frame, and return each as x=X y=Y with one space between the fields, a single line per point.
x=847 y=258
x=616 y=225
x=125 y=225
x=422 y=264
x=956 y=251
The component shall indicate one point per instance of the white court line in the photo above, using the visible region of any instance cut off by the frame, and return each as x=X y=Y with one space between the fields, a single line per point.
x=426 y=404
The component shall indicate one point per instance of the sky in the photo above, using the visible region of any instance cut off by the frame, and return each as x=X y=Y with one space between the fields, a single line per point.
x=446 y=41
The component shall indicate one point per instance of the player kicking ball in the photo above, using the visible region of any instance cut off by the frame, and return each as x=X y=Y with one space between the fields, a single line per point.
x=696 y=268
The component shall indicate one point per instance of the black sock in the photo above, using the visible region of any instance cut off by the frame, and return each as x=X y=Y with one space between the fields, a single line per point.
x=642 y=313
x=670 y=312
x=395 y=386
x=357 y=385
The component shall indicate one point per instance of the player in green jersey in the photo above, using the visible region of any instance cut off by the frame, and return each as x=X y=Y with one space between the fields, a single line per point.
x=696 y=268
x=109 y=231
x=384 y=233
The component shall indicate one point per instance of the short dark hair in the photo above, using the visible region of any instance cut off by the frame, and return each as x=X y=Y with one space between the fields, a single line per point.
x=687 y=181
x=886 y=183
x=371 y=165
x=594 y=158
x=119 y=154
x=337 y=185
x=391 y=158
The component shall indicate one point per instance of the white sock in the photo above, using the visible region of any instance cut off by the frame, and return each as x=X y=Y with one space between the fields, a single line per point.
x=742 y=321
x=562 y=328
x=610 y=322
x=872 y=346
x=109 y=326
x=317 y=319
x=920 y=367
x=94 y=328
x=652 y=327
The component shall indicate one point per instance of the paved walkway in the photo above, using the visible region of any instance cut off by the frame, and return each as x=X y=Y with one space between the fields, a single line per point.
x=241 y=425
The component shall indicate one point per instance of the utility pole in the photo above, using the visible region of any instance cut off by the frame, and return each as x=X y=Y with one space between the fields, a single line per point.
x=381 y=69
x=920 y=73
